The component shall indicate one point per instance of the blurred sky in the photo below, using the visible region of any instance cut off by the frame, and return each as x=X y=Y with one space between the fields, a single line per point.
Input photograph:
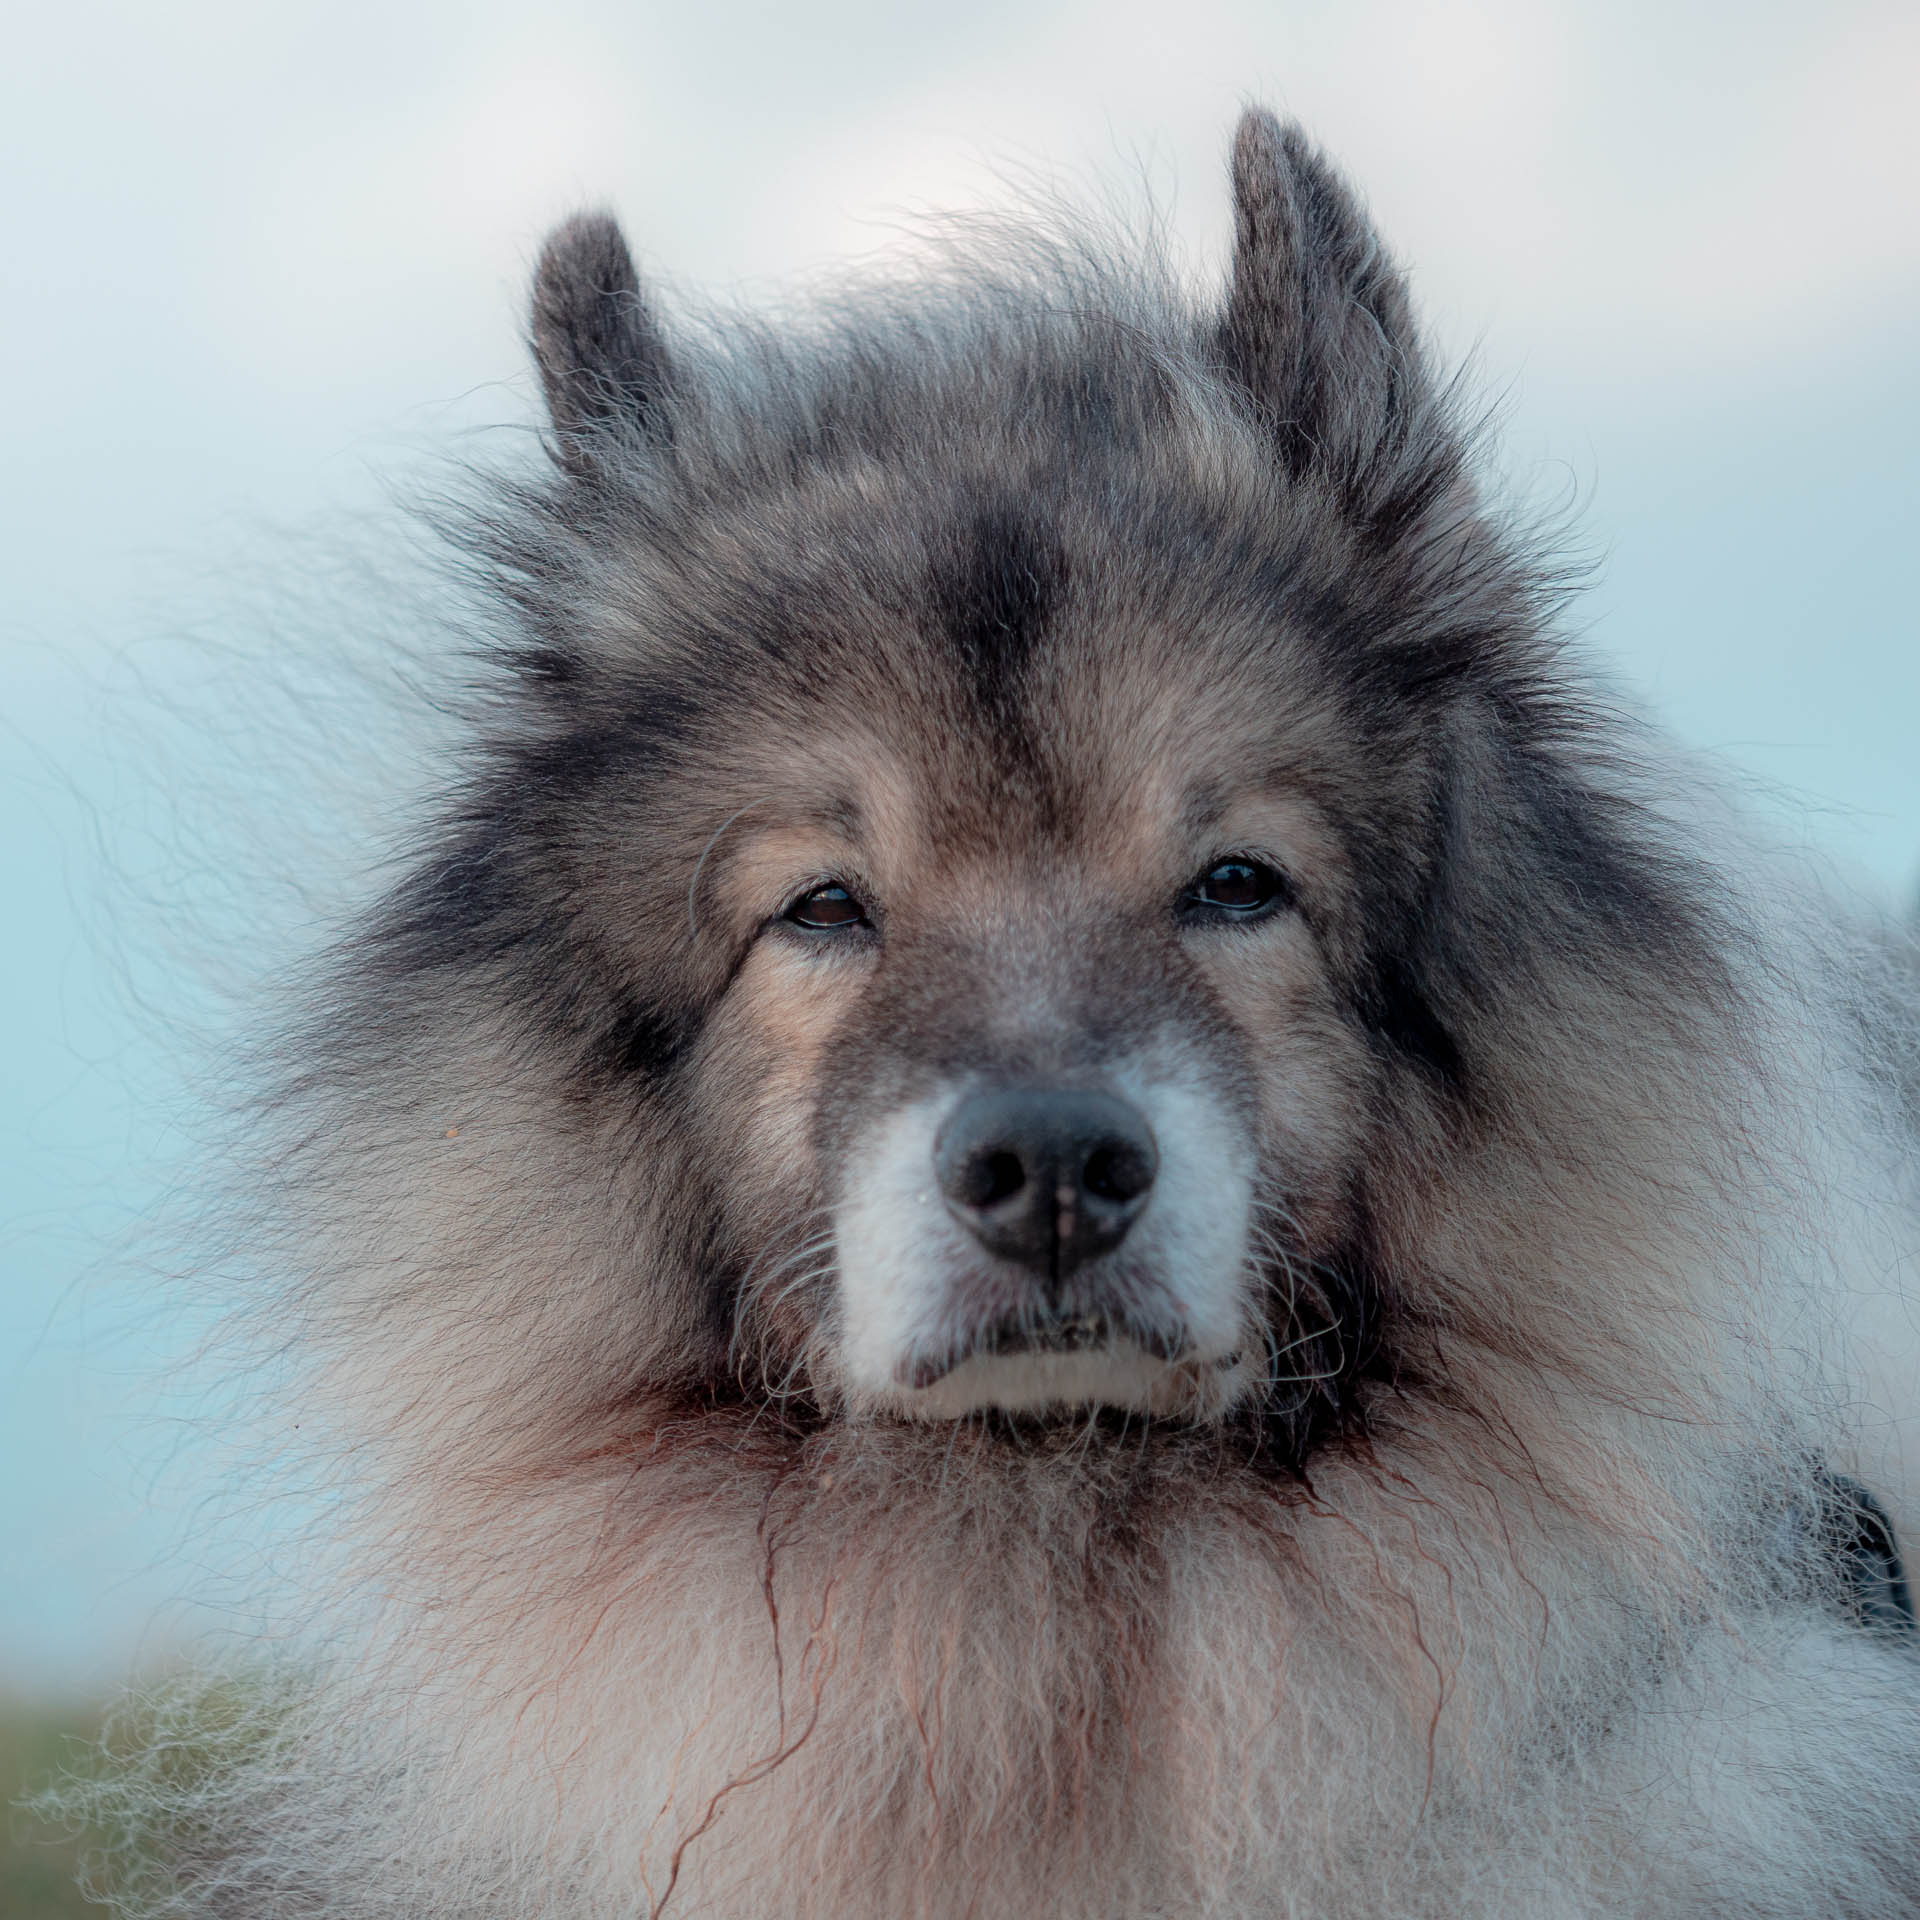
x=255 y=256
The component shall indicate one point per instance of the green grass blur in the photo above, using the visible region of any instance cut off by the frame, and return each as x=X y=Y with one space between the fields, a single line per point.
x=142 y=1777
x=40 y=1861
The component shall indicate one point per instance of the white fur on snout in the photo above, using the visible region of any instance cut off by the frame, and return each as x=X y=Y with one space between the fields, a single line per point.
x=896 y=1246
x=1194 y=1228
x=906 y=1265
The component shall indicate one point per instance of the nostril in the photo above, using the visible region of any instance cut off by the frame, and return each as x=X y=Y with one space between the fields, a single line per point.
x=1117 y=1170
x=990 y=1178
x=1048 y=1177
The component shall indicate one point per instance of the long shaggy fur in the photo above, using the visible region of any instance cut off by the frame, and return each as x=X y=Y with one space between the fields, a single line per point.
x=1508 y=1586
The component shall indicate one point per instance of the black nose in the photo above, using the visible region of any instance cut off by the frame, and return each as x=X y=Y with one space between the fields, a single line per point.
x=1048 y=1176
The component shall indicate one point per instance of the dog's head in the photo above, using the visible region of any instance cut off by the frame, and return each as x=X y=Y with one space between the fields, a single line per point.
x=1038 y=841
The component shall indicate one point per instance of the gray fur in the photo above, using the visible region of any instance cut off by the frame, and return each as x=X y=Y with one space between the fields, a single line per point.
x=601 y=359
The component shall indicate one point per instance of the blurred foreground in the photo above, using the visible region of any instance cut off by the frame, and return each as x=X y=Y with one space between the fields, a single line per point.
x=145 y=1809
x=39 y=1862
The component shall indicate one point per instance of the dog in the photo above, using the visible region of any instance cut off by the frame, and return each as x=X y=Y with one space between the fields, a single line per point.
x=1065 y=1184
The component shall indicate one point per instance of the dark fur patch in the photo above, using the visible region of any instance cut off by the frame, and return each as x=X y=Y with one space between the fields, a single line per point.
x=1584 y=846
x=1335 y=1345
x=460 y=906
x=1858 y=1536
x=1395 y=1009
x=550 y=667
x=646 y=1040
x=997 y=591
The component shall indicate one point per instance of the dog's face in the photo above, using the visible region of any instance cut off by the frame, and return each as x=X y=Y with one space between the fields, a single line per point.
x=1032 y=1075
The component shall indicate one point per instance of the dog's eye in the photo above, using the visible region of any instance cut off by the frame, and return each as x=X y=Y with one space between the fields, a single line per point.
x=1236 y=889
x=827 y=908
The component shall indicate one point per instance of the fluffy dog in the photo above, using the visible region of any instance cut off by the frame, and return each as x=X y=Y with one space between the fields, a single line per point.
x=1066 y=1188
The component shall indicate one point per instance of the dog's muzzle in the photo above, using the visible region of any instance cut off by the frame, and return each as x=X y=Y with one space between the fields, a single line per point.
x=1029 y=1243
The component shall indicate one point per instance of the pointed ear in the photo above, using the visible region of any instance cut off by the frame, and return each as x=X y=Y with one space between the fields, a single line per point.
x=1317 y=328
x=602 y=360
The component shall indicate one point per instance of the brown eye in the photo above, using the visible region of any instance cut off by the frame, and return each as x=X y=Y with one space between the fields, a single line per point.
x=1237 y=889
x=826 y=909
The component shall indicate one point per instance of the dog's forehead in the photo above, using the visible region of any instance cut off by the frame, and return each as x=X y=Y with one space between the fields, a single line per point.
x=1115 y=776
x=1013 y=645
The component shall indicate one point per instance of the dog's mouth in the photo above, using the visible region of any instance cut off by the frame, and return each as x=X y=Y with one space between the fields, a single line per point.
x=1091 y=1332
x=1066 y=1362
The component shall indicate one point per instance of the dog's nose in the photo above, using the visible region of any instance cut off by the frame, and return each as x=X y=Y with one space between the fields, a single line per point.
x=1048 y=1176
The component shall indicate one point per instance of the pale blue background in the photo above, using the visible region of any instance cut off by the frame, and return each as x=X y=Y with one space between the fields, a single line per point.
x=255 y=256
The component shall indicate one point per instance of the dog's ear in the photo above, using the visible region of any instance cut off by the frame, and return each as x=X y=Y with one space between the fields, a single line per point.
x=1317 y=328
x=603 y=362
